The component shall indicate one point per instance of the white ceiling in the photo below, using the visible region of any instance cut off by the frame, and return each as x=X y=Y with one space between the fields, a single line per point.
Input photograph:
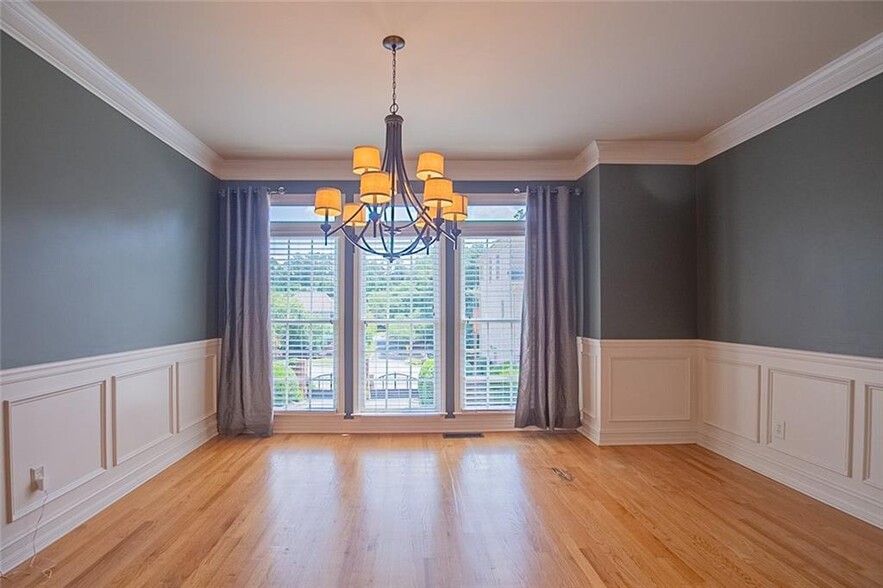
x=476 y=80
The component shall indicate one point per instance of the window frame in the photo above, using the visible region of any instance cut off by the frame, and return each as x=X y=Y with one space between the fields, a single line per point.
x=312 y=230
x=478 y=229
x=360 y=382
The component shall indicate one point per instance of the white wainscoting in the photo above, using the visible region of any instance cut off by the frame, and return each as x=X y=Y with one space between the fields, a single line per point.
x=812 y=421
x=100 y=427
x=805 y=419
x=638 y=391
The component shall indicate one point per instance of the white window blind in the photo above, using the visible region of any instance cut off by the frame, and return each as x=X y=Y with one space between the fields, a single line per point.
x=399 y=305
x=492 y=285
x=303 y=312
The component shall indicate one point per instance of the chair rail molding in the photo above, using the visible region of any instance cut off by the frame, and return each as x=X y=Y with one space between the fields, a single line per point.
x=812 y=421
x=23 y=21
x=100 y=427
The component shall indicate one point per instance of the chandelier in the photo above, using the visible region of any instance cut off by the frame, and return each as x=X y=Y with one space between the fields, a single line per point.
x=389 y=219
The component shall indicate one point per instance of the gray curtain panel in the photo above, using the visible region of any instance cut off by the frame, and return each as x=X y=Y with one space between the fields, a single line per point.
x=548 y=387
x=245 y=392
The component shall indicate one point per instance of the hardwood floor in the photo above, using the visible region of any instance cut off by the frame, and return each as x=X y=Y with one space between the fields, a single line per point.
x=419 y=510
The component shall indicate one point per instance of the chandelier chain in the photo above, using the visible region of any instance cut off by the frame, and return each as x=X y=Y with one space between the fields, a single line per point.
x=394 y=107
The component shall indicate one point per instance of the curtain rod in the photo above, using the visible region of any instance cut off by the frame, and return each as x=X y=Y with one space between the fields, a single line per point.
x=572 y=190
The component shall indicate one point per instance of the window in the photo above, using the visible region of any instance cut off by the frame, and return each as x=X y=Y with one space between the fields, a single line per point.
x=399 y=305
x=352 y=332
x=304 y=290
x=492 y=286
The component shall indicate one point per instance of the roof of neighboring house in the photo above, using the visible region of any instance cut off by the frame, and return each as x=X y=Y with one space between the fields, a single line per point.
x=315 y=302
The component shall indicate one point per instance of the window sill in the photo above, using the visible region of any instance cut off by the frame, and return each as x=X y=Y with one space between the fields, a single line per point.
x=333 y=422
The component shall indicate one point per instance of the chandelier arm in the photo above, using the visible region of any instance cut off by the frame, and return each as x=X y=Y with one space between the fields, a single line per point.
x=387 y=248
x=362 y=232
x=358 y=243
x=367 y=249
x=419 y=242
x=344 y=223
x=361 y=242
x=394 y=164
x=425 y=247
x=409 y=198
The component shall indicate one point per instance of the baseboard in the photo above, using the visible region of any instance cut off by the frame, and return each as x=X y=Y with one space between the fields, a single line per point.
x=862 y=507
x=643 y=437
x=590 y=433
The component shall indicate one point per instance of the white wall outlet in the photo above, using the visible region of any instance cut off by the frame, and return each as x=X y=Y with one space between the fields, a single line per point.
x=37 y=478
x=779 y=430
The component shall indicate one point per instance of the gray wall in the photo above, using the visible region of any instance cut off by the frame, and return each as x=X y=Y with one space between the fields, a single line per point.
x=791 y=232
x=591 y=299
x=641 y=267
x=109 y=237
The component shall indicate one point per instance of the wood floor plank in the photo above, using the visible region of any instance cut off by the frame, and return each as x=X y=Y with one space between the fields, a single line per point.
x=393 y=511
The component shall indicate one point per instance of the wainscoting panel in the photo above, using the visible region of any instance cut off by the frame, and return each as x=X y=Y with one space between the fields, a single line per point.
x=142 y=410
x=810 y=417
x=99 y=427
x=650 y=389
x=590 y=387
x=872 y=471
x=42 y=433
x=638 y=392
x=197 y=385
x=732 y=399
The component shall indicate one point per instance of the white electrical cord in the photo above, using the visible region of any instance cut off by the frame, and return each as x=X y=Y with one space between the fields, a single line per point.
x=47 y=571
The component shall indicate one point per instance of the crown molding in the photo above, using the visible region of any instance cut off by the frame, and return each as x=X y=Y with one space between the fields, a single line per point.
x=845 y=72
x=28 y=25
x=341 y=169
x=284 y=169
x=647 y=152
x=635 y=153
x=25 y=23
x=587 y=159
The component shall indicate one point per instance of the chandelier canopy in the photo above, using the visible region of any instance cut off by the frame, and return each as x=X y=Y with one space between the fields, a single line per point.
x=389 y=219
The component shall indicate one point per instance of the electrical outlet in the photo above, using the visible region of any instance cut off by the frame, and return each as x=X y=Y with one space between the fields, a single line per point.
x=780 y=430
x=37 y=478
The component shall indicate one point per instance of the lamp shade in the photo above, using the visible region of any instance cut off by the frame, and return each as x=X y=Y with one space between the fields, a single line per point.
x=366 y=159
x=457 y=210
x=354 y=215
x=430 y=165
x=438 y=192
x=374 y=187
x=327 y=202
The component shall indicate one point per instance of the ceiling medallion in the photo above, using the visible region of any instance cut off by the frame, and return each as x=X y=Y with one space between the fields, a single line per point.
x=389 y=218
